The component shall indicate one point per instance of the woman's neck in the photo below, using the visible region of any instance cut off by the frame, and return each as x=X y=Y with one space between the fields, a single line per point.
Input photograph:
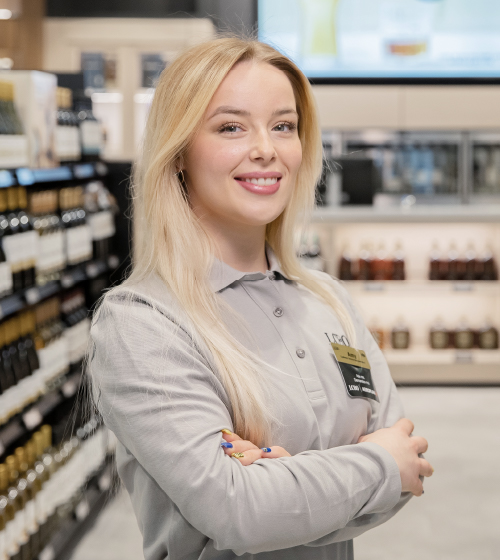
x=244 y=249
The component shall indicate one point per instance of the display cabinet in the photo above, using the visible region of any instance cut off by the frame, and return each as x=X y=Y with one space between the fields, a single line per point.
x=457 y=303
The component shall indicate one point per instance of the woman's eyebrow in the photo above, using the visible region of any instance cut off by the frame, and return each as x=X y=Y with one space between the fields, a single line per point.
x=226 y=109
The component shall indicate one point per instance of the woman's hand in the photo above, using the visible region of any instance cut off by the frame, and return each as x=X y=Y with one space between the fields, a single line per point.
x=249 y=452
x=405 y=450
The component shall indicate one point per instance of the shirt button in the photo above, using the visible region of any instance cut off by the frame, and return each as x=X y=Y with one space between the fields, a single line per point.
x=301 y=353
x=278 y=312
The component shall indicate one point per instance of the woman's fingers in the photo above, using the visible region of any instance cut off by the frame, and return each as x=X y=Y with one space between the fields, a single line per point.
x=274 y=452
x=420 y=444
x=248 y=457
x=405 y=426
x=230 y=436
x=238 y=446
x=425 y=468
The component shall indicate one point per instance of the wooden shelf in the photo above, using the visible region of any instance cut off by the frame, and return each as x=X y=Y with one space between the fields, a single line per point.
x=488 y=288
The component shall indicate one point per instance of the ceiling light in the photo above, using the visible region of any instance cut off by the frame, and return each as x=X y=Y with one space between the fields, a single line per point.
x=10 y=9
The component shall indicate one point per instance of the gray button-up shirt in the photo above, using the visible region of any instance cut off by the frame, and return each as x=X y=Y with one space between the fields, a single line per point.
x=158 y=390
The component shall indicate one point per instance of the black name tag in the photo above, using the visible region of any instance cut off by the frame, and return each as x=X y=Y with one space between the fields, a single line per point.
x=355 y=370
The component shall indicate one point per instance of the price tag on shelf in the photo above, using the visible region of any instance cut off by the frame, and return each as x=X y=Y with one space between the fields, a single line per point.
x=113 y=261
x=82 y=510
x=67 y=281
x=32 y=418
x=32 y=295
x=48 y=553
x=69 y=388
x=464 y=357
x=104 y=481
x=463 y=286
x=374 y=286
x=92 y=270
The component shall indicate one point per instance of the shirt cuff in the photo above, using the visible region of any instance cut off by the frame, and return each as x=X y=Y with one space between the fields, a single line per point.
x=388 y=493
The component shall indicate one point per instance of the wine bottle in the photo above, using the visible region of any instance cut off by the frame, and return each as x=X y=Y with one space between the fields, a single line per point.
x=435 y=265
x=487 y=336
x=18 y=344
x=463 y=337
x=8 y=378
x=439 y=335
x=452 y=262
x=11 y=348
x=398 y=263
x=488 y=265
x=364 y=263
x=17 y=500
x=470 y=263
x=381 y=265
x=346 y=265
x=29 y=240
x=400 y=335
x=8 y=510
x=27 y=328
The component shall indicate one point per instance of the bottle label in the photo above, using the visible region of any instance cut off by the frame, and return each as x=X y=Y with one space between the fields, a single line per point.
x=11 y=538
x=31 y=524
x=92 y=138
x=464 y=339
x=488 y=340
x=400 y=339
x=440 y=339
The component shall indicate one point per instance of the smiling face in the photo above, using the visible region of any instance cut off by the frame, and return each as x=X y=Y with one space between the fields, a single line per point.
x=241 y=167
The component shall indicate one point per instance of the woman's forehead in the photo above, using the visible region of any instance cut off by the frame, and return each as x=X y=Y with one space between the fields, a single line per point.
x=250 y=87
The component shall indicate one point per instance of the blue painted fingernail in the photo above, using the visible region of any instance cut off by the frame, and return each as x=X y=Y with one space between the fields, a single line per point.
x=226 y=444
x=266 y=449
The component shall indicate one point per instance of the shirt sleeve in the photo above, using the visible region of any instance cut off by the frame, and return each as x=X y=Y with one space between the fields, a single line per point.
x=157 y=391
x=384 y=415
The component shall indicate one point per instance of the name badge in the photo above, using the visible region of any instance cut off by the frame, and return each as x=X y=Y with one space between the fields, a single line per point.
x=355 y=369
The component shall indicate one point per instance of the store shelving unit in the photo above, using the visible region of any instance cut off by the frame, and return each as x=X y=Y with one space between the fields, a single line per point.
x=51 y=392
x=418 y=300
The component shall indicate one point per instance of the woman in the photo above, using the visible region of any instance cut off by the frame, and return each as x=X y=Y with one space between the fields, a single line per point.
x=218 y=336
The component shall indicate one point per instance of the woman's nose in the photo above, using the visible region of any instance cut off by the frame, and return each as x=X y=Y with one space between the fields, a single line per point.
x=263 y=148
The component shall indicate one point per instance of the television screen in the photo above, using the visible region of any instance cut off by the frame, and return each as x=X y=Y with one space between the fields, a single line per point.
x=386 y=38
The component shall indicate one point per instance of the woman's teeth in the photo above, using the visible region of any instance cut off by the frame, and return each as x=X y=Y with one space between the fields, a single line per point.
x=261 y=181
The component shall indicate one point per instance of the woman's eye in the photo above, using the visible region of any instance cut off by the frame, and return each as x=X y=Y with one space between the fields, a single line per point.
x=230 y=128
x=285 y=127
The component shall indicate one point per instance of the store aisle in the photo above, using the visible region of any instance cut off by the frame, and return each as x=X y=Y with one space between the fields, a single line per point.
x=456 y=519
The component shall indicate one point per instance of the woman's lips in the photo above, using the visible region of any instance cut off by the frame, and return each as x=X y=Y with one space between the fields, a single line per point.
x=260 y=189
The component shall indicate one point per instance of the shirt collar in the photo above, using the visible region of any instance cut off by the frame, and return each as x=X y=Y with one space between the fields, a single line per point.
x=222 y=275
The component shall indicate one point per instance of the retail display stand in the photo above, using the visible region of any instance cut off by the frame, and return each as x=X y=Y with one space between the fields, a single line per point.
x=418 y=301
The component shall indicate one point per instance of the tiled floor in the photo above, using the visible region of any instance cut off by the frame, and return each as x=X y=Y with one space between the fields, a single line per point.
x=458 y=518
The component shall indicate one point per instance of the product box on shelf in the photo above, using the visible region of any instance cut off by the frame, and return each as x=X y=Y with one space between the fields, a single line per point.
x=35 y=101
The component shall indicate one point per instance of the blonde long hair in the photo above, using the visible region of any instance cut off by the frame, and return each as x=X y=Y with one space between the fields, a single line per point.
x=173 y=244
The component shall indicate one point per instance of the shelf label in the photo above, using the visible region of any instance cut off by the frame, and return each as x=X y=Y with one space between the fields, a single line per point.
x=374 y=287
x=82 y=510
x=69 y=388
x=463 y=287
x=48 y=553
x=464 y=357
x=104 y=481
x=32 y=295
x=67 y=281
x=32 y=418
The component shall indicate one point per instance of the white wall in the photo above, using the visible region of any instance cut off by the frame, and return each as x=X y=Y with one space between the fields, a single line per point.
x=409 y=107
